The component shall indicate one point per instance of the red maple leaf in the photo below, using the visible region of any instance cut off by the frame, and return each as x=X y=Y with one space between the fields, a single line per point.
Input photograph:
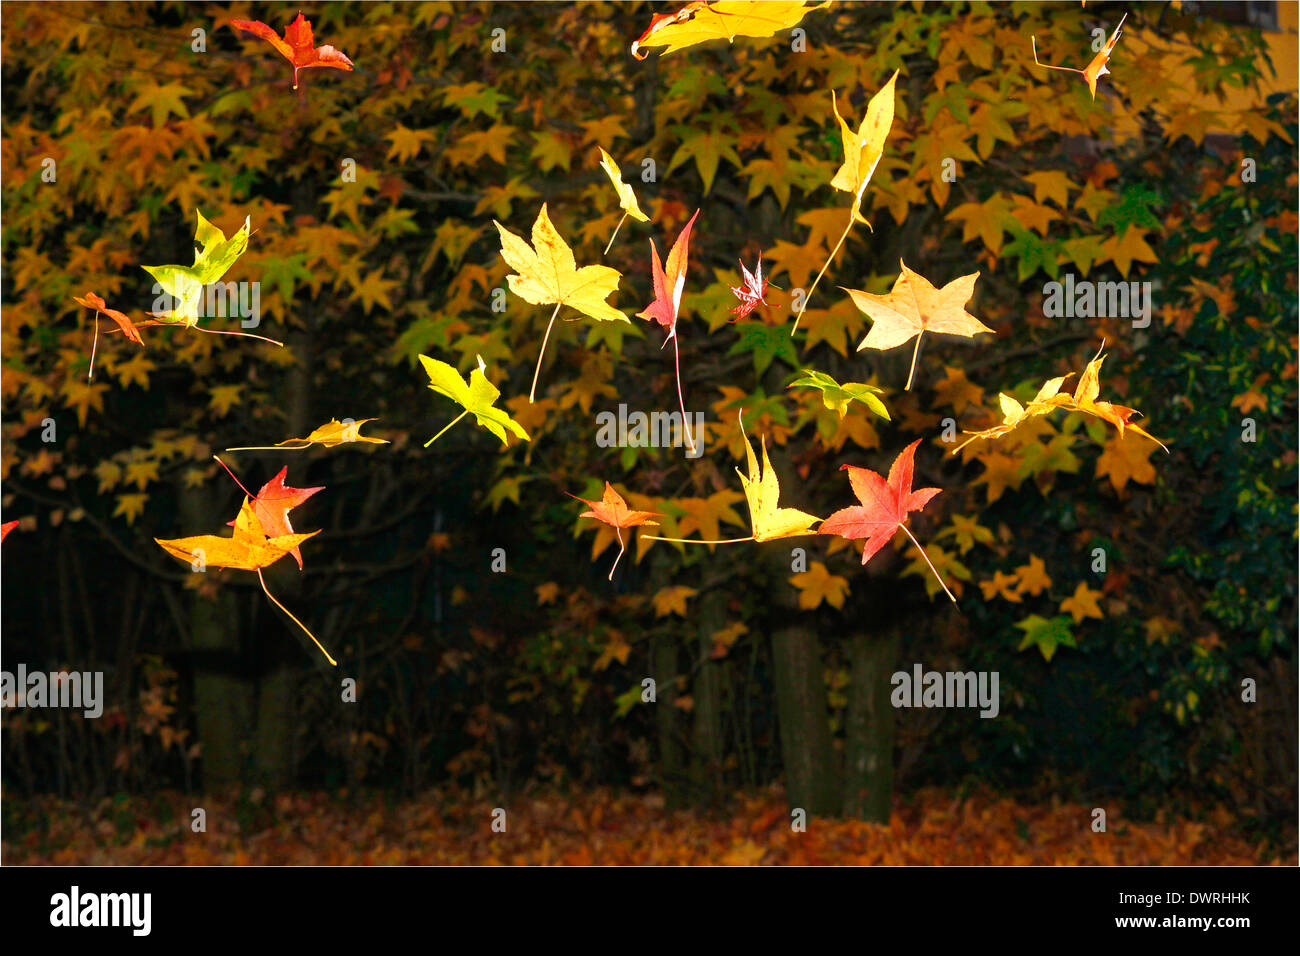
x=124 y=323
x=751 y=294
x=6 y=528
x=273 y=503
x=298 y=46
x=668 y=284
x=884 y=509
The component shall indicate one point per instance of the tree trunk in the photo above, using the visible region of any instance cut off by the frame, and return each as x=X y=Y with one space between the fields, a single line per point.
x=811 y=766
x=221 y=692
x=869 y=727
x=274 y=758
x=706 y=761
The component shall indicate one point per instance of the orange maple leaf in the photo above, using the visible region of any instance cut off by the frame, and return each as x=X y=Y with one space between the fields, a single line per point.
x=1097 y=68
x=298 y=46
x=124 y=324
x=613 y=510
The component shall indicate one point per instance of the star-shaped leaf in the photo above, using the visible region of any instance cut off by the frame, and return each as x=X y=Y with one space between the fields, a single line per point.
x=837 y=397
x=212 y=261
x=762 y=489
x=613 y=511
x=298 y=46
x=884 y=509
x=477 y=396
x=914 y=306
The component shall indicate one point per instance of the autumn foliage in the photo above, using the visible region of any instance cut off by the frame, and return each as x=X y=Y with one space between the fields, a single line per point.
x=443 y=199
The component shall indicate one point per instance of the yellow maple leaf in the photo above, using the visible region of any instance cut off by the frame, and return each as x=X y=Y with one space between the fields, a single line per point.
x=913 y=307
x=723 y=19
x=248 y=548
x=762 y=489
x=547 y=273
x=672 y=600
x=1083 y=603
x=1033 y=576
x=1124 y=459
x=626 y=198
x=817 y=584
x=130 y=507
x=862 y=152
x=330 y=434
x=863 y=149
x=1000 y=585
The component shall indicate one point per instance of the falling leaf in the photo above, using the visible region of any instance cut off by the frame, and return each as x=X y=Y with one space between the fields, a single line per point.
x=1050 y=397
x=6 y=528
x=329 y=435
x=863 y=149
x=668 y=285
x=626 y=198
x=724 y=19
x=186 y=284
x=751 y=293
x=884 y=509
x=762 y=489
x=124 y=323
x=613 y=511
x=273 y=503
x=837 y=397
x=547 y=273
x=1097 y=68
x=862 y=152
x=914 y=307
x=298 y=46
x=248 y=549
x=477 y=396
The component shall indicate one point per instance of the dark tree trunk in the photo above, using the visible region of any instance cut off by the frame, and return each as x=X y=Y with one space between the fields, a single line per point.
x=869 y=728
x=706 y=762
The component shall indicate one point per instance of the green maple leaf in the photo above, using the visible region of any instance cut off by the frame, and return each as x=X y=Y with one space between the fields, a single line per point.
x=837 y=397
x=767 y=342
x=1133 y=209
x=1033 y=253
x=1046 y=634
x=211 y=262
x=476 y=396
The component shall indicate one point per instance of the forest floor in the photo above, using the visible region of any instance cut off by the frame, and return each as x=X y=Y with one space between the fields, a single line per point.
x=600 y=827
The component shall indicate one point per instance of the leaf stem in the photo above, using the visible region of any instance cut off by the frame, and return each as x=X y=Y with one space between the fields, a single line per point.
x=825 y=266
x=915 y=349
x=271 y=447
x=927 y=561
x=232 y=475
x=93 y=344
x=681 y=403
x=294 y=619
x=621 y=548
x=448 y=425
x=247 y=335
x=614 y=233
x=653 y=537
x=532 y=391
